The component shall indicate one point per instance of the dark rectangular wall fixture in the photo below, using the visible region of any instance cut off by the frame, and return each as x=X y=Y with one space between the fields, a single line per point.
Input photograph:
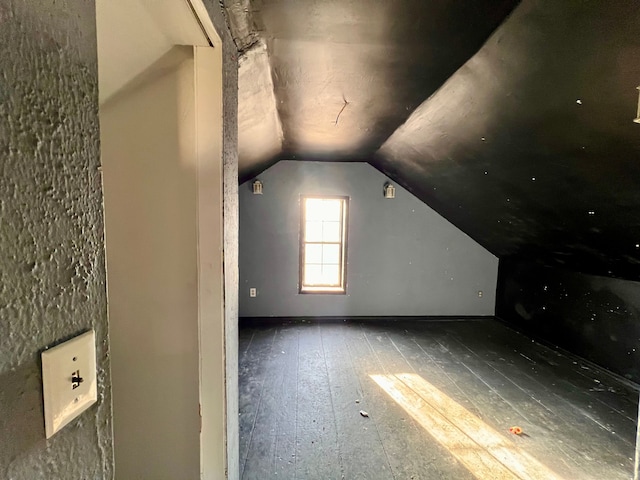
x=594 y=317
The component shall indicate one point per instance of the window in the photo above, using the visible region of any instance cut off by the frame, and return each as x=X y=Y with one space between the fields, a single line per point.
x=323 y=244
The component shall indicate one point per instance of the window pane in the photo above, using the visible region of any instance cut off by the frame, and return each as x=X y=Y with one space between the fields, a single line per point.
x=322 y=238
x=313 y=253
x=331 y=231
x=317 y=209
x=331 y=274
x=331 y=210
x=314 y=209
x=313 y=275
x=313 y=232
x=331 y=254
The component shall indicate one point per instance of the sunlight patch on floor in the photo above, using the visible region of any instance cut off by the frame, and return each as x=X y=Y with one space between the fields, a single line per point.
x=484 y=452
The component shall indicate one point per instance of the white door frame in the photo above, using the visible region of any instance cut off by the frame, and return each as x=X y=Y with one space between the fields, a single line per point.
x=216 y=326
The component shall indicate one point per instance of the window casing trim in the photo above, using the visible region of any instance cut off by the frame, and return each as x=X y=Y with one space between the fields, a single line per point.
x=322 y=289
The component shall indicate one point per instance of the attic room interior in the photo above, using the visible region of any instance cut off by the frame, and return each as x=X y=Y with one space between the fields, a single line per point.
x=496 y=289
x=322 y=239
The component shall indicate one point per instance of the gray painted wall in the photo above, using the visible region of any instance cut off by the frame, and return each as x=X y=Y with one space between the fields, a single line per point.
x=403 y=258
x=52 y=276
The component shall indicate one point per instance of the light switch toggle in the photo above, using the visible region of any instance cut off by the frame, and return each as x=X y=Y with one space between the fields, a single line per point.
x=76 y=379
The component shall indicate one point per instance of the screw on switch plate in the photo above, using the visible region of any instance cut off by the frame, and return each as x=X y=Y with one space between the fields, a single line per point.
x=253 y=292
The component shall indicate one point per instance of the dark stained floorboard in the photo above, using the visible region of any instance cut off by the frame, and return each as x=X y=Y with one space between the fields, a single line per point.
x=317 y=453
x=357 y=438
x=302 y=386
x=255 y=347
x=413 y=454
x=551 y=420
x=270 y=432
x=460 y=385
x=556 y=389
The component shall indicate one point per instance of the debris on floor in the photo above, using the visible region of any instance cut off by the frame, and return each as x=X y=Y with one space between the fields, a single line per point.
x=516 y=430
x=363 y=413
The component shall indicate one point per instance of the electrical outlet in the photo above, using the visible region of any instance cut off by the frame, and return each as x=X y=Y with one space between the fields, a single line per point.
x=253 y=292
x=479 y=293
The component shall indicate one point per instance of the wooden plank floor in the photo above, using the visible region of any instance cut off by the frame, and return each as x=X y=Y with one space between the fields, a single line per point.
x=441 y=397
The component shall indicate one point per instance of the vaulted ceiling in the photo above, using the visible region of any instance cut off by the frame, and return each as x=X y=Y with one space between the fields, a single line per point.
x=514 y=120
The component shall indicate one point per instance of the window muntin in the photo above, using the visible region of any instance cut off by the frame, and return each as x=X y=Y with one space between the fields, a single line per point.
x=323 y=244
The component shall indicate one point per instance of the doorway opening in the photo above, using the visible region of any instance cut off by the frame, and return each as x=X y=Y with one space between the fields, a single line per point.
x=161 y=120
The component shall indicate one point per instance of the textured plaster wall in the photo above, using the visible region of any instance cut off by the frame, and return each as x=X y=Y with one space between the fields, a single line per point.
x=402 y=257
x=52 y=275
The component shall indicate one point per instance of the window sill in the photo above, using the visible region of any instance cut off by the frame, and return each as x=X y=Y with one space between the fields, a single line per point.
x=325 y=290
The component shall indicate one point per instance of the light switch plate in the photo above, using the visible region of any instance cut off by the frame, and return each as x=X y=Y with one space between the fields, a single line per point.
x=68 y=381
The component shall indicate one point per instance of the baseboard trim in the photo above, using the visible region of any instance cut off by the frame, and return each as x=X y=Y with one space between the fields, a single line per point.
x=257 y=321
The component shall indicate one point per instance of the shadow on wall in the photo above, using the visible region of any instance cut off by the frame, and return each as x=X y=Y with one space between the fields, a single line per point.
x=21 y=415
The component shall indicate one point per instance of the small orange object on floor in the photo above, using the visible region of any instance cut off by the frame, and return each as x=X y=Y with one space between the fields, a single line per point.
x=515 y=430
